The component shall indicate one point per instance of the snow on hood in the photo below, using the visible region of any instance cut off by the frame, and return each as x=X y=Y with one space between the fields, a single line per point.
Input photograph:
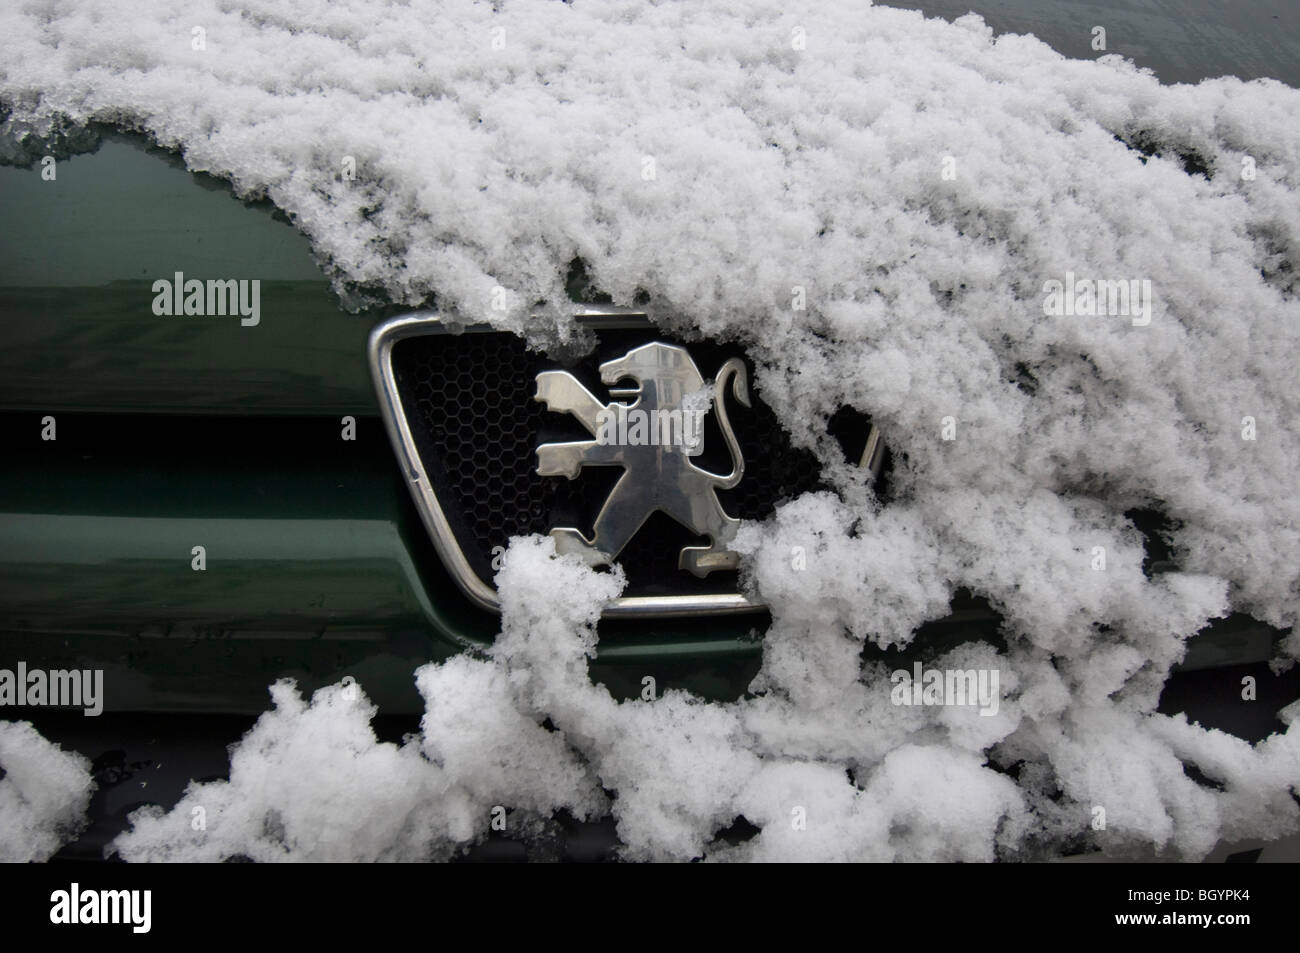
x=890 y=212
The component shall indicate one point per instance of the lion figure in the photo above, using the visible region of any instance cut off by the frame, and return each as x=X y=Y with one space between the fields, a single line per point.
x=658 y=476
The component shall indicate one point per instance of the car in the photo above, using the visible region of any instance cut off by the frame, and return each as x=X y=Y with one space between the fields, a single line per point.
x=218 y=473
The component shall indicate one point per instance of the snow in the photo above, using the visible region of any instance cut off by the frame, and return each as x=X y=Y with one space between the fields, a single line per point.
x=311 y=783
x=698 y=153
x=832 y=776
x=44 y=793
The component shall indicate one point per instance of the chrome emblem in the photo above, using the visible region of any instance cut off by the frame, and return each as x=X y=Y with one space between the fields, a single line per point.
x=653 y=438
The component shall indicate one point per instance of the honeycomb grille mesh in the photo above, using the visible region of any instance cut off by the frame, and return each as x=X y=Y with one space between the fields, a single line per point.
x=468 y=399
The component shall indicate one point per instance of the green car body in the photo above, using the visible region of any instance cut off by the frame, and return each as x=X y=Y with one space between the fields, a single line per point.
x=129 y=438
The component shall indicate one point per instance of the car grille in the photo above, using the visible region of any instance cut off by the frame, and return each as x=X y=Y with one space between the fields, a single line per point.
x=468 y=402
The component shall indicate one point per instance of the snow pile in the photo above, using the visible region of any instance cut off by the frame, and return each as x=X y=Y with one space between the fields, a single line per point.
x=44 y=793
x=876 y=205
x=838 y=774
x=310 y=782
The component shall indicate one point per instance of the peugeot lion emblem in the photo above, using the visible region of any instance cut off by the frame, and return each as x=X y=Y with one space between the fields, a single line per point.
x=653 y=438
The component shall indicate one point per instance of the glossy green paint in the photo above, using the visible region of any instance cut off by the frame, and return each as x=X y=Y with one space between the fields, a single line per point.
x=78 y=259
x=135 y=574
x=315 y=570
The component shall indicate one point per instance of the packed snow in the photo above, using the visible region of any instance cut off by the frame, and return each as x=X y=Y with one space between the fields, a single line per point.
x=44 y=793
x=876 y=205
